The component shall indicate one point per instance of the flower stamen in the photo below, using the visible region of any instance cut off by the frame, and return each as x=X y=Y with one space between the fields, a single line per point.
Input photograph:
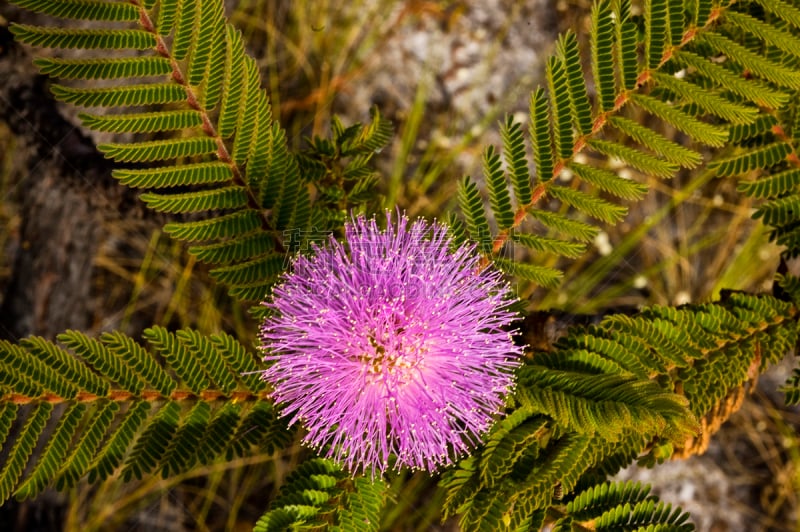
x=403 y=358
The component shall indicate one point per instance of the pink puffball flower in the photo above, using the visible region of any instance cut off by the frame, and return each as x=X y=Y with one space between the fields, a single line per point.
x=393 y=349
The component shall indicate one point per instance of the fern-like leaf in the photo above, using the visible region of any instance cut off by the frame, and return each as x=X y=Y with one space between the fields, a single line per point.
x=140 y=409
x=105 y=69
x=775 y=73
x=709 y=102
x=604 y=397
x=541 y=136
x=318 y=492
x=83 y=9
x=472 y=207
x=592 y=205
x=580 y=109
x=143 y=122
x=609 y=182
x=564 y=141
x=700 y=131
x=498 y=189
x=233 y=197
x=602 y=40
x=668 y=149
x=514 y=151
x=773 y=186
x=758 y=93
x=89 y=39
x=223 y=151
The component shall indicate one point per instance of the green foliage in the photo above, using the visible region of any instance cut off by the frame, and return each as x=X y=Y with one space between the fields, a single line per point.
x=340 y=169
x=104 y=69
x=200 y=140
x=318 y=495
x=498 y=190
x=83 y=9
x=620 y=506
x=606 y=395
x=663 y=73
x=765 y=154
x=792 y=388
x=86 y=39
x=224 y=159
x=118 y=407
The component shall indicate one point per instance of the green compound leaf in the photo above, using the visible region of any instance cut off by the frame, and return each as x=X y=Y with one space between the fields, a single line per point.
x=772 y=186
x=771 y=35
x=626 y=54
x=222 y=198
x=228 y=252
x=578 y=93
x=131 y=95
x=541 y=275
x=130 y=409
x=592 y=205
x=578 y=230
x=143 y=122
x=672 y=152
x=176 y=176
x=83 y=9
x=159 y=150
x=610 y=182
x=639 y=160
x=755 y=130
x=656 y=31
x=217 y=145
x=318 y=494
x=590 y=407
x=472 y=207
x=755 y=63
x=555 y=246
x=560 y=108
x=499 y=196
x=709 y=102
x=256 y=271
x=226 y=226
x=88 y=39
x=700 y=131
x=787 y=12
x=764 y=157
x=22 y=449
x=104 y=68
x=756 y=92
x=541 y=137
x=602 y=41
x=516 y=160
